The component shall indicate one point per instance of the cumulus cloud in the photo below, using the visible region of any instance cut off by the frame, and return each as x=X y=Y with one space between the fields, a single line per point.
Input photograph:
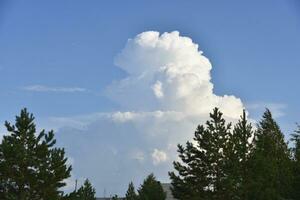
x=158 y=156
x=167 y=92
x=157 y=89
x=168 y=72
x=43 y=88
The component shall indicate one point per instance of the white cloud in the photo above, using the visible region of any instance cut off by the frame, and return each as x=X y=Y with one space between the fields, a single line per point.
x=157 y=89
x=70 y=184
x=43 y=88
x=158 y=156
x=167 y=93
x=168 y=72
x=125 y=116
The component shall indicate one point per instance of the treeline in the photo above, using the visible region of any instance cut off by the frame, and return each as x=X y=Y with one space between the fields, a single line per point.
x=222 y=162
x=32 y=168
x=238 y=162
x=150 y=189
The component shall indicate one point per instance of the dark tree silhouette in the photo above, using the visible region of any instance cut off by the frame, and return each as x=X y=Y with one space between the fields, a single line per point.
x=151 y=189
x=131 y=194
x=271 y=165
x=201 y=173
x=31 y=168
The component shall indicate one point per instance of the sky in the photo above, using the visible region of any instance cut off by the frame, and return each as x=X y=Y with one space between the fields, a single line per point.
x=123 y=82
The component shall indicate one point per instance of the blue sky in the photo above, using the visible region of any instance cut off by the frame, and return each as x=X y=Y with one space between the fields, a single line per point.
x=57 y=57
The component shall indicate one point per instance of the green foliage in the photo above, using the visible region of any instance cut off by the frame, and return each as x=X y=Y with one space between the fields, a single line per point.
x=130 y=194
x=85 y=192
x=220 y=164
x=226 y=164
x=271 y=167
x=151 y=189
x=31 y=168
x=202 y=174
x=296 y=164
x=238 y=154
x=115 y=197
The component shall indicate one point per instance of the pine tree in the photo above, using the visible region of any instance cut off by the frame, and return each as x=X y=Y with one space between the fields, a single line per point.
x=31 y=168
x=130 y=194
x=296 y=164
x=238 y=154
x=202 y=174
x=151 y=189
x=85 y=192
x=270 y=163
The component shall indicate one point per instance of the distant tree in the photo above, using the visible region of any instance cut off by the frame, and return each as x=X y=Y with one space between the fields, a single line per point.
x=85 y=192
x=115 y=197
x=130 y=194
x=270 y=163
x=238 y=154
x=151 y=189
x=295 y=138
x=201 y=174
x=31 y=168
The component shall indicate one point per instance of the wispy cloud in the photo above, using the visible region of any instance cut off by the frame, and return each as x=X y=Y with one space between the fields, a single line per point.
x=277 y=109
x=43 y=88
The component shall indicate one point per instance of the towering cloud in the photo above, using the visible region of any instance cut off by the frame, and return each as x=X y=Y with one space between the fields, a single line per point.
x=166 y=93
x=168 y=72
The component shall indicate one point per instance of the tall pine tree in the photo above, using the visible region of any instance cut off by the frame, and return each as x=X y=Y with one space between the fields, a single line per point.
x=31 y=168
x=151 y=189
x=85 y=192
x=130 y=194
x=201 y=173
x=238 y=154
x=270 y=164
